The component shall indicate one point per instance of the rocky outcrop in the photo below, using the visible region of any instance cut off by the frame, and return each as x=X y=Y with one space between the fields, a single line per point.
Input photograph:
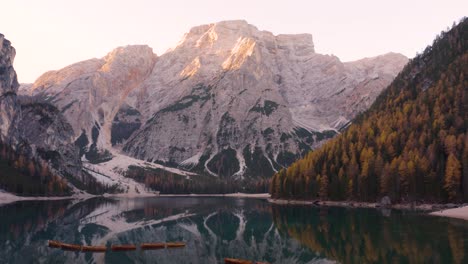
x=50 y=137
x=8 y=88
x=385 y=202
x=35 y=129
x=90 y=93
x=228 y=100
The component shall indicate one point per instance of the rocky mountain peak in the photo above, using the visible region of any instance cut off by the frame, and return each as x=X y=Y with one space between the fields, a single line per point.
x=386 y=62
x=8 y=80
x=226 y=34
x=8 y=86
x=300 y=43
x=139 y=58
x=97 y=85
x=228 y=100
x=128 y=56
x=228 y=27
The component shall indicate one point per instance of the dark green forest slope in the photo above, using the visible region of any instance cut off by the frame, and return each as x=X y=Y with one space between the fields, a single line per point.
x=411 y=145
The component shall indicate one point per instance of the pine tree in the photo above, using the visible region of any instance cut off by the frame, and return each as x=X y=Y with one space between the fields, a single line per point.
x=465 y=168
x=452 y=177
x=323 y=192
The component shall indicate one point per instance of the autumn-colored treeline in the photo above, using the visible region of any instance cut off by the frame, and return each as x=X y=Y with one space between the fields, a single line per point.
x=167 y=182
x=23 y=175
x=411 y=145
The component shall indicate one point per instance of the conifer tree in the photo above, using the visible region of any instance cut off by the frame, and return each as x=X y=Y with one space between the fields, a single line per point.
x=452 y=177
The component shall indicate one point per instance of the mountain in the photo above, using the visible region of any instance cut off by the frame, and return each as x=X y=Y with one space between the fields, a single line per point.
x=91 y=93
x=412 y=144
x=228 y=100
x=37 y=155
x=8 y=87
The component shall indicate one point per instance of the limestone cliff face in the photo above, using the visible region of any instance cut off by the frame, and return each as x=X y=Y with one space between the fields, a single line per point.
x=229 y=99
x=233 y=100
x=37 y=130
x=50 y=137
x=8 y=87
x=90 y=93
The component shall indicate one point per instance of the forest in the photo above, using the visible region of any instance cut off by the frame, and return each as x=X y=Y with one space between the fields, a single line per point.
x=170 y=183
x=22 y=175
x=411 y=145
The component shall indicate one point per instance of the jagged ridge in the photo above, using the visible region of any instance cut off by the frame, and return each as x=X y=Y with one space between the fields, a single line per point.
x=228 y=100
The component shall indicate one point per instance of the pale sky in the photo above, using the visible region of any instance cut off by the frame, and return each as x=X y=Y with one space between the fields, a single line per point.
x=51 y=34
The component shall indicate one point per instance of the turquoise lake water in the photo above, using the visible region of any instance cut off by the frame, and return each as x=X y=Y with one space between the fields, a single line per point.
x=216 y=228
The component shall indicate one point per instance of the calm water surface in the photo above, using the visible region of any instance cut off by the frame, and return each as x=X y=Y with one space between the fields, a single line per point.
x=215 y=228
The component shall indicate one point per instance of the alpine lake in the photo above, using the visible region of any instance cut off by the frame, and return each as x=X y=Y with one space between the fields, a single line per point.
x=215 y=228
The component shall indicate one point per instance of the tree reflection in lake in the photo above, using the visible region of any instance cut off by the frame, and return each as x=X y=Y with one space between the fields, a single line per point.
x=371 y=236
x=215 y=228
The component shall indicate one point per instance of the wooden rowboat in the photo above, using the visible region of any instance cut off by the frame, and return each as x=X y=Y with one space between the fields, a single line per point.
x=54 y=244
x=148 y=246
x=241 y=261
x=94 y=248
x=123 y=247
x=237 y=261
x=175 y=245
x=71 y=247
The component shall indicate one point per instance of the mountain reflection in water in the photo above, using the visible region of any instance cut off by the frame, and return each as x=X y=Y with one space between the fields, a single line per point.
x=215 y=228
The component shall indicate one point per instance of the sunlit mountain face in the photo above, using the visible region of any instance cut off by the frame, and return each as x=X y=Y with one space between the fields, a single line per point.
x=215 y=228
x=228 y=100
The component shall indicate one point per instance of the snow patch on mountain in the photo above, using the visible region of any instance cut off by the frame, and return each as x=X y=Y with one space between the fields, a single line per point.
x=233 y=99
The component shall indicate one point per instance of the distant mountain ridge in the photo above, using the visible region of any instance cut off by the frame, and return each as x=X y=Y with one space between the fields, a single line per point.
x=229 y=100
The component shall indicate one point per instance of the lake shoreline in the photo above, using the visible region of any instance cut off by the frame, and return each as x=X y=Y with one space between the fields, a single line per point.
x=448 y=210
x=236 y=195
x=7 y=198
x=459 y=211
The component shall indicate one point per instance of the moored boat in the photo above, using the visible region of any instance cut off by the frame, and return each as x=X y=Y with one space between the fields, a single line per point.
x=123 y=247
x=175 y=244
x=148 y=246
x=71 y=247
x=237 y=261
x=94 y=248
x=54 y=244
x=241 y=261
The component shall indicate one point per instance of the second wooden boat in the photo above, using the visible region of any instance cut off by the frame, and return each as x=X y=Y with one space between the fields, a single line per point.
x=237 y=261
x=71 y=247
x=241 y=261
x=175 y=244
x=123 y=247
x=94 y=248
x=54 y=244
x=148 y=246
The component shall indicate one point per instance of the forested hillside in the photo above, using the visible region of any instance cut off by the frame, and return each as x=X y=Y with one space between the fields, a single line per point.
x=23 y=175
x=411 y=145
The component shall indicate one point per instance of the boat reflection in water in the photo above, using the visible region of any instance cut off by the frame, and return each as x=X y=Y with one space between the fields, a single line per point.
x=218 y=228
